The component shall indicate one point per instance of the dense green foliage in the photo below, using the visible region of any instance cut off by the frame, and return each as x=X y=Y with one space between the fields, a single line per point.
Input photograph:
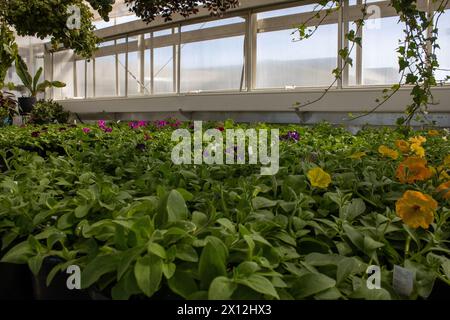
x=45 y=112
x=110 y=200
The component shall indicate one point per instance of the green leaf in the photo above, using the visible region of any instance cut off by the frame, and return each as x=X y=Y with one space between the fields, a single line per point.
x=311 y=284
x=35 y=264
x=353 y=209
x=259 y=284
x=82 y=211
x=157 y=250
x=183 y=284
x=176 y=207
x=98 y=267
x=261 y=203
x=221 y=288
x=126 y=258
x=19 y=254
x=186 y=253
x=212 y=261
x=148 y=273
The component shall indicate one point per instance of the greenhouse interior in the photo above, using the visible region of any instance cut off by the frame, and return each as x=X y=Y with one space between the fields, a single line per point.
x=259 y=150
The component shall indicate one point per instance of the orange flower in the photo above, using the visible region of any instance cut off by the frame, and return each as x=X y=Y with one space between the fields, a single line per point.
x=418 y=140
x=388 y=152
x=444 y=190
x=413 y=169
x=416 y=209
x=402 y=145
x=433 y=133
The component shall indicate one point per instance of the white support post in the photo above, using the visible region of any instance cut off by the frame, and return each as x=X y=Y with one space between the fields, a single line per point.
x=251 y=50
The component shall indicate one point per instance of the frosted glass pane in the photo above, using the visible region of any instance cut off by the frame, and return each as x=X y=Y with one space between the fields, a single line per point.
x=133 y=73
x=122 y=73
x=380 y=57
x=147 y=72
x=163 y=70
x=81 y=72
x=443 y=53
x=211 y=24
x=90 y=79
x=63 y=71
x=212 y=65
x=282 y=62
x=105 y=76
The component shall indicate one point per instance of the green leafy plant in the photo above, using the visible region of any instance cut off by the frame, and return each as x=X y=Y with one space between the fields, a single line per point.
x=45 y=112
x=140 y=227
x=32 y=84
x=8 y=51
x=8 y=106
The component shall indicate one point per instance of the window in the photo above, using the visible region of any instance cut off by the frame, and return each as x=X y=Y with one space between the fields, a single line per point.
x=443 y=54
x=163 y=70
x=281 y=62
x=105 y=76
x=380 y=41
x=63 y=70
x=213 y=64
x=80 y=91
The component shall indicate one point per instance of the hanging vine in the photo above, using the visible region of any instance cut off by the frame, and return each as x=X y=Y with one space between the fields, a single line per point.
x=417 y=59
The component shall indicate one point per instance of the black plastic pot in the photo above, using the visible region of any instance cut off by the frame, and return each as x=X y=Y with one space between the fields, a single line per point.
x=15 y=282
x=441 y=291
x=26 y=104
x=58 y=288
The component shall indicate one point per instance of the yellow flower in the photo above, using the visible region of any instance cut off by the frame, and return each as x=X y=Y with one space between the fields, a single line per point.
x=447 y=161
x=416 y=209
x=418 y=140
x=418 y=150
x=433 y=133
x=444 y=190
x=358 y=155
x=388 y=152
x=413 y=169
x=442 y=173
x=319 y=178
x=402 y=145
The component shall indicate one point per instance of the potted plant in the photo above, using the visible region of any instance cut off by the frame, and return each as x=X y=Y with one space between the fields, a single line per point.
x=8 y=106
x=33 y=85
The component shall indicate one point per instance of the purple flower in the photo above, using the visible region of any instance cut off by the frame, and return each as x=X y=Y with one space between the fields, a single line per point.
x=291 y=135
x=108 y=130
x=35 y=134
x=161 y=123
x=102 y=124
x=86 y=130
x=142 y=123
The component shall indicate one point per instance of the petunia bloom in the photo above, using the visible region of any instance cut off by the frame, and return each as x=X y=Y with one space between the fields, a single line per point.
x=433 y=133
x=444 y=190
x=418 y=150
x=388 y=152
x=418 y=140
x=86 y=130
x=416 y=209
x=319 y=178
x=413 y=169
x=101 y=124
x=403 y=146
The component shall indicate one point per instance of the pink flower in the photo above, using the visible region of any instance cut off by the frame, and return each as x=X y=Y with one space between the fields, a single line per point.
x=108 y=130
x=102 y=124
x=86 y=130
